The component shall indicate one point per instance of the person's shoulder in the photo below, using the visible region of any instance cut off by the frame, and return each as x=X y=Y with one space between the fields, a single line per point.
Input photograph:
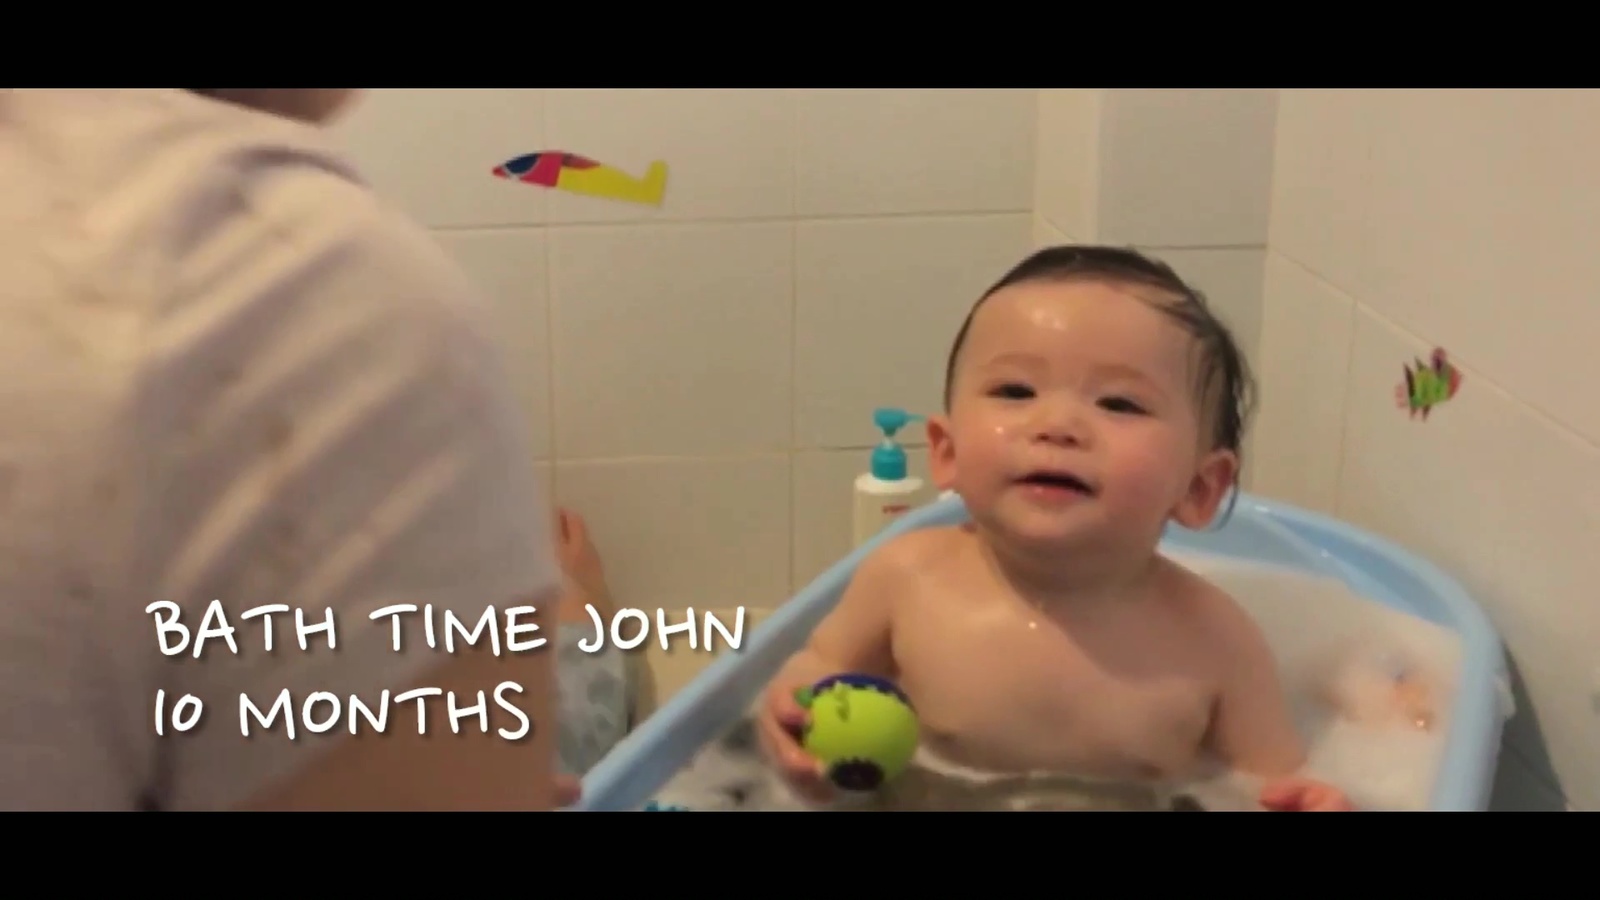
x=175 y=201
x=290 y=191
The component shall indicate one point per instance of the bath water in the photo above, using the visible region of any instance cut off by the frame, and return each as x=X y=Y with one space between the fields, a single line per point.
x=1370 y=688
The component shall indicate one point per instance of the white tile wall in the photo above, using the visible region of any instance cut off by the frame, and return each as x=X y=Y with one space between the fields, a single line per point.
x=672 y=340
x=695 y=370
x=687 y=531
x=1167 y=169
x=430 y=150
x=877 y=303
x=1312 y=217
x=1407 y=220
x=511 y=266
x=895 y=152
x=729 y=153
x=1186 y=168
x=1046 y=234
x=1067 y=173
x=1298 y=438
x=1483 y=207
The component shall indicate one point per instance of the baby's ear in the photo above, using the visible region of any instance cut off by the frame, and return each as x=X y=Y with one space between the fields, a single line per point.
x=941 y=453
x=1211 y=481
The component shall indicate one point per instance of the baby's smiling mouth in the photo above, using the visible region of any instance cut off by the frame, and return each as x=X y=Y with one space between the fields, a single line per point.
x=1057 y=479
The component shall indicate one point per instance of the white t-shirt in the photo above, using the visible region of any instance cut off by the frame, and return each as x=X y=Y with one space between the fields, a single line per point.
x=230 y=373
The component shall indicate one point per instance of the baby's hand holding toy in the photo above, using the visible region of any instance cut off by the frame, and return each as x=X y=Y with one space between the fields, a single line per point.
x=846 y=732
x=781 y=722
x=861 y=728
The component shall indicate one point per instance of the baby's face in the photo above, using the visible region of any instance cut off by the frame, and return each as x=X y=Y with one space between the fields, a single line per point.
x=1073 y=417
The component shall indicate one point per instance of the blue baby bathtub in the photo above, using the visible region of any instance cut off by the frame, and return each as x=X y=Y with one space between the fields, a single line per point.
x=1259 y=531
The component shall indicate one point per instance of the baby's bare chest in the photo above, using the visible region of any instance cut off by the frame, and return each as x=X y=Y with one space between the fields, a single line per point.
x=1001 y=689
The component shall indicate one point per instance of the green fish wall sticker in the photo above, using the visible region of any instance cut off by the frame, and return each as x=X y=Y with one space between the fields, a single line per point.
x=1427 y=385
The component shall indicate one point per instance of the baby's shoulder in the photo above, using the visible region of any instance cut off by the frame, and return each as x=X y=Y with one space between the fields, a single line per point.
x=1208 y=610
x=918 y=552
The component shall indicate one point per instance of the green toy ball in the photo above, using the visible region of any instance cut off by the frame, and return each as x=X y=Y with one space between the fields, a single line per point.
x=861 y=728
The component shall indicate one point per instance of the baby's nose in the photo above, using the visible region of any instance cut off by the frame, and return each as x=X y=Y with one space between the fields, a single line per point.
x=1063 y=425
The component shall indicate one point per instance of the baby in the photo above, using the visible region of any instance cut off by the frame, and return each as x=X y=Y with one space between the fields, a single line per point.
x=1091 y=397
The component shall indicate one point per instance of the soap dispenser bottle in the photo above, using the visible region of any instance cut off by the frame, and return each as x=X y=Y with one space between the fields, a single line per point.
x=887 y=491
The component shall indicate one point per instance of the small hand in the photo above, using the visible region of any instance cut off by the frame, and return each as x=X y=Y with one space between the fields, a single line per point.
x=1296 y=794
x=568 y=790
x=781 y=722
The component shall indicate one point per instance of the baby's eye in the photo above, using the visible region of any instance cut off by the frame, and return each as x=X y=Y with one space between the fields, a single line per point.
x=1011 y=391
x=1121 y=405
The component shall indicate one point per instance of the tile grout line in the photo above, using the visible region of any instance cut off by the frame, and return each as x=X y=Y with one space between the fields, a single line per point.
x=748 y=220
x=794 y=332
x=1541 y=415
x=552 y=418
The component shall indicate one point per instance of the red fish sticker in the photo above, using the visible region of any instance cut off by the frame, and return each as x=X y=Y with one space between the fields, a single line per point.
x=575 y=174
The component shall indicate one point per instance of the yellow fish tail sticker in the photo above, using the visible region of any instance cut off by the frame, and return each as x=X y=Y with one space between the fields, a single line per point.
x=581 y=175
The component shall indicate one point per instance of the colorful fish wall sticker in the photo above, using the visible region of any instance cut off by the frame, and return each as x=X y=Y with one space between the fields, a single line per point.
x=1427 y=385
x=580 y=175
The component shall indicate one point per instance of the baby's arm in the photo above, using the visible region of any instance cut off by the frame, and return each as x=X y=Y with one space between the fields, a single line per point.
x=856 y=635
x=1252 y=729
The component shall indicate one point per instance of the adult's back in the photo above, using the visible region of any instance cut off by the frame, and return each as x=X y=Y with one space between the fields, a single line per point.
x=232 y=373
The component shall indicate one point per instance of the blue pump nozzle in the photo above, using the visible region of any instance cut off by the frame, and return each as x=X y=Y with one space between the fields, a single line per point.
x=889 y=458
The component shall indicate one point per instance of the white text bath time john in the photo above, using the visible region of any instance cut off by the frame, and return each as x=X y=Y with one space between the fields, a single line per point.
x=500 y=631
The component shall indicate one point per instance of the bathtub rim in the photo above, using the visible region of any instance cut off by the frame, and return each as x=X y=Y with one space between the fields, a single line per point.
x=1483 y=702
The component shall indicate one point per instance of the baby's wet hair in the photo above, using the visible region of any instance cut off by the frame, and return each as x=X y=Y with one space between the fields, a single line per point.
x=312 y=105
x=1224 y=388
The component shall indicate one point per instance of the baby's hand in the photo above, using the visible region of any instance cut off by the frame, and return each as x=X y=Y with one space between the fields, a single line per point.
x=568 y=791
x=1296 y=794
x=780 y=724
